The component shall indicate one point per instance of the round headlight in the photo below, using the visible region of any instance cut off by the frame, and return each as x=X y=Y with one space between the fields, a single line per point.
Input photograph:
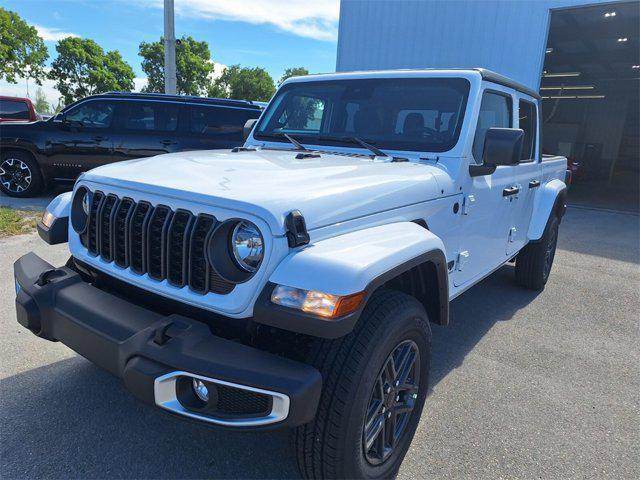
x=80 y=209
x=247 y=246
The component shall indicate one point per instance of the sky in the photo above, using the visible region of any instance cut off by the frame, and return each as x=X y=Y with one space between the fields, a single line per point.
x=273 y=34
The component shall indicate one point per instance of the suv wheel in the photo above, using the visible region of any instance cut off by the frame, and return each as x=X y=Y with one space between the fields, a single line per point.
x=534 y=262
x=375 y=384
x=19 y=175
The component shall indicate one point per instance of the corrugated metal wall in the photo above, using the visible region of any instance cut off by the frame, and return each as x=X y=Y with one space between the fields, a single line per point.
x=508 y=36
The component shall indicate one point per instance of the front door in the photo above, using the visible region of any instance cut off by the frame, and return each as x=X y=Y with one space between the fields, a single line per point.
x=83 y=139
x=486 y=209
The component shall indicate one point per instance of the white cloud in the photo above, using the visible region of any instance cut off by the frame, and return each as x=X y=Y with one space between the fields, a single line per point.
x=316 y=19
x=53 y=34
x=139 y=83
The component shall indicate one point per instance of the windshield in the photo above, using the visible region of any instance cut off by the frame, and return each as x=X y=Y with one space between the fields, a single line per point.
x=413 y=114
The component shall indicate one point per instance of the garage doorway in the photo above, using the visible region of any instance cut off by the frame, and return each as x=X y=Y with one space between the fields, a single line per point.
x=591 y=103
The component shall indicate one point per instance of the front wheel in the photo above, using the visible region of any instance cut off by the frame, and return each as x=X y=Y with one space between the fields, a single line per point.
x=375 y=383
x=19 y=174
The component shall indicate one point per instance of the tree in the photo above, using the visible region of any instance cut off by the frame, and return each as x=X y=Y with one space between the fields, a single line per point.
x=193 y=66
x=82 y=68
x=22 y=50
x=293 y=72
x=244 y=84
x=41 y=105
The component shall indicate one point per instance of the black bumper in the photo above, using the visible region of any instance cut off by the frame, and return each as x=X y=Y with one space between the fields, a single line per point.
x=139 y=345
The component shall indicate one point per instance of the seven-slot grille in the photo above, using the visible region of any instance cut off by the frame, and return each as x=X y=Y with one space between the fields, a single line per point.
x=154 y=240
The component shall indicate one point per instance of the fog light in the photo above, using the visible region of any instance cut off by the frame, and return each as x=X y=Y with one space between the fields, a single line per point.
x=201 y=390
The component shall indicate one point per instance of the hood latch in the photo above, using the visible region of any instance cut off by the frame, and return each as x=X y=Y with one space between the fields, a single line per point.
x=297 y=234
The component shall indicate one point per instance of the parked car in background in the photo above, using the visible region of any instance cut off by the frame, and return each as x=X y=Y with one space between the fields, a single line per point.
x=112 y=127
x=17 y=109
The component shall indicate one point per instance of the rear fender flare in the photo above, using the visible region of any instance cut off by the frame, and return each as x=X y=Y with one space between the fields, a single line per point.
x=549 y=199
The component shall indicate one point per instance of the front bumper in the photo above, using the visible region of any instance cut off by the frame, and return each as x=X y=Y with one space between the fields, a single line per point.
x=152 y=353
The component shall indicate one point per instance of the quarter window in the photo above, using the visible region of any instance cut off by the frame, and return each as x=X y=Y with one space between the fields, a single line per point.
x=495 y=111
x=159 y=117
x=94 y=114
x=528 y=123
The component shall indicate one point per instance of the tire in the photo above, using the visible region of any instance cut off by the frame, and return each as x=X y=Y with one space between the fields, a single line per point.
x=534 y=262
x=20 y=175
x=332 y=445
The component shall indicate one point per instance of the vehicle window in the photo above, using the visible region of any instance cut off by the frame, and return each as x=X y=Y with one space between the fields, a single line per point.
x=14 y=109
x=495 y=111
x=414 y=114
x=156 y=116
x=220 y=120
x=94 y=114
x=528 y=122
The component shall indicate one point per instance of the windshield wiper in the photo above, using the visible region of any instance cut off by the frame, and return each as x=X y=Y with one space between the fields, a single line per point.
x=373 y=149
x=295 y=142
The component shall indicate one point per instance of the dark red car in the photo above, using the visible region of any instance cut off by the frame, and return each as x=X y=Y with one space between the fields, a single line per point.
x=16 y=109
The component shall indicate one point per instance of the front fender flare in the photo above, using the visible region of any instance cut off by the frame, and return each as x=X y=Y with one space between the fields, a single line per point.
x=354 y=262
x=552 y=195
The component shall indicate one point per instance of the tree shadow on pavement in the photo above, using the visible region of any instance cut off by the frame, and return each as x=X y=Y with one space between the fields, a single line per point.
x=72 y=420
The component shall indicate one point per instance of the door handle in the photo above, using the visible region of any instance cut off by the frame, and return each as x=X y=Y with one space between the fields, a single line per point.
x=534 y=183
x=99 y=138
x=507 y=192
x=168 y=142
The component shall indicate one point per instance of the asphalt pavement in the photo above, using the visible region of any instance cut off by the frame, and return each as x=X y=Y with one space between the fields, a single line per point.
x=523 y=385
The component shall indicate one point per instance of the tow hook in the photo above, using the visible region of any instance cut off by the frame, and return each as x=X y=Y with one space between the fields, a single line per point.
x=167 y=331
x=47 y=275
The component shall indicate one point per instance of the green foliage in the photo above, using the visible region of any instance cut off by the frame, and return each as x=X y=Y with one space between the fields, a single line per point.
x=22 y=50
x=193 y=66
x=293 y=72
x=244 y=84
x=40 y=104
x=82 y=68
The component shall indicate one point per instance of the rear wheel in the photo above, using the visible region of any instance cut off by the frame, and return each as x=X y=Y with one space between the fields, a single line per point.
x=375 y=383
x=19 y=174
x=534 y=262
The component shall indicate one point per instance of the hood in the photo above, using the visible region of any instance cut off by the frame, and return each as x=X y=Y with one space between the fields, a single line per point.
x=270 y=183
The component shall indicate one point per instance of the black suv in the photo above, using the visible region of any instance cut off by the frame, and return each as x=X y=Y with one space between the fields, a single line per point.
x=111 y=127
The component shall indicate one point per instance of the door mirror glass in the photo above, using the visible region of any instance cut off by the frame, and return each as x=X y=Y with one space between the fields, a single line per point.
x=502 y=146
x=248 y=126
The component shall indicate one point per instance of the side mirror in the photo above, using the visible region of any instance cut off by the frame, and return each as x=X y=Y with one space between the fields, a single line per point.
x=248 y=126
x=502 y=146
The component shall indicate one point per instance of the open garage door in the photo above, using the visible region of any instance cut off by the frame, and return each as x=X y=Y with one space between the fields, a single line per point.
x=590 y=90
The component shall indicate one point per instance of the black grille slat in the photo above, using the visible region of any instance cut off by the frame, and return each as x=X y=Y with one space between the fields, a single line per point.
x=120 y=232
x=137 y=237
x=177 y=247
x=92 y=229
x=198 y=264
x=105 y=219
x=156 y=242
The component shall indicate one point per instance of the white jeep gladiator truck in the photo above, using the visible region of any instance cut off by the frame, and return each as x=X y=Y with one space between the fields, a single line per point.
x=292 y=282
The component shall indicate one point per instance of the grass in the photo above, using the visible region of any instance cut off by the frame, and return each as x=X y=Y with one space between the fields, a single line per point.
x=15 y=222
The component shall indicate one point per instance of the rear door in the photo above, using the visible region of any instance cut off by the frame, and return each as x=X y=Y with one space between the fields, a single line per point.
x=211 y=127
x=486 y=211
x=146 y=128
x=526 y=174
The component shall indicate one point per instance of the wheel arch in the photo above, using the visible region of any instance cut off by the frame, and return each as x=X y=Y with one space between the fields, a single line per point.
x=550 y=199
x=10 y=147
x=403 y=256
